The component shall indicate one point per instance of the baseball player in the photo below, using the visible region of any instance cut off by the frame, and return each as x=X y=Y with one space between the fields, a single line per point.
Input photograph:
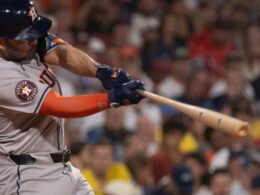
x=33 y=157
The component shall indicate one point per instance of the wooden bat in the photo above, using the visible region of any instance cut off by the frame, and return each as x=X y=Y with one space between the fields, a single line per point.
x=210 y=118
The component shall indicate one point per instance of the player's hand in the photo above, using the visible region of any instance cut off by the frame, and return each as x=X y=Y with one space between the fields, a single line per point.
x=126 y=94
x=111 y=77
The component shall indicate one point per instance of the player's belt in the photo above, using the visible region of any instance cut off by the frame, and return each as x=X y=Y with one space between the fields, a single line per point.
x=27 y=159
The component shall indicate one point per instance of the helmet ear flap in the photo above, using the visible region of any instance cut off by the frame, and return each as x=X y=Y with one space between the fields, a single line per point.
x=20 y=21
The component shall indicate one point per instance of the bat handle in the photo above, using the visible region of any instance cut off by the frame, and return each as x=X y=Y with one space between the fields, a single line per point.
x=141 y=92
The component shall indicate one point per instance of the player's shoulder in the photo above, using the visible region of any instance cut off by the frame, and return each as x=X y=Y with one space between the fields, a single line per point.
x=9 y=69
x=4 y=63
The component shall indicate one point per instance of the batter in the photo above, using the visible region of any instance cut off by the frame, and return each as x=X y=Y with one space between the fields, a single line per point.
x=33 y=157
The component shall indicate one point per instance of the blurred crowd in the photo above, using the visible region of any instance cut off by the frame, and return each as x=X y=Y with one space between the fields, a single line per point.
x=201 y=52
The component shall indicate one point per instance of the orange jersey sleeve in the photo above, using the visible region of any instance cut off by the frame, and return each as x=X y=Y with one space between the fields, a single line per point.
x=73 y=106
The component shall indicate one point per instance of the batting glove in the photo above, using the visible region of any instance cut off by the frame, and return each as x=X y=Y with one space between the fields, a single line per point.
x=111 y=77
x=126 y=94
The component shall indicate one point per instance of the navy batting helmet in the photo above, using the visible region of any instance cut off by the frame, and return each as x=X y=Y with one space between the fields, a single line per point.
x=19 y=20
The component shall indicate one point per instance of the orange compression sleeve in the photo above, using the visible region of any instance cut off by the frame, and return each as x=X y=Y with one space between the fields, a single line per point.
x=73 y=106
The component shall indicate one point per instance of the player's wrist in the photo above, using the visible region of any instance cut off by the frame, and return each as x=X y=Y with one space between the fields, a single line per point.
x=100 y=69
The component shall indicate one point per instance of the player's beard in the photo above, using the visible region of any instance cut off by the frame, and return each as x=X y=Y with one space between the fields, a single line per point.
x=11 y=53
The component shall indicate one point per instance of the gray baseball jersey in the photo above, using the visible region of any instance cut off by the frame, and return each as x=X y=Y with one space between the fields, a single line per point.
x=23 y=130
x=23 y=88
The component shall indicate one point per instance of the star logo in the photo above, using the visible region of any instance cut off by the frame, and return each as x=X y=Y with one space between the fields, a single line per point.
x=32 y=13
x=26 y=91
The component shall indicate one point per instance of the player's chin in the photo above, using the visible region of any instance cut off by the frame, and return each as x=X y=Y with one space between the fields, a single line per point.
x=25 y=57
x=29 y=55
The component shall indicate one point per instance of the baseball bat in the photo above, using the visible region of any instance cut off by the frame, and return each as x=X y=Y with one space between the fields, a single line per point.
x=208 y=117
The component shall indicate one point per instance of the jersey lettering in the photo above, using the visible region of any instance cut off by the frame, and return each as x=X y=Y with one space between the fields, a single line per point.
x=47 y=78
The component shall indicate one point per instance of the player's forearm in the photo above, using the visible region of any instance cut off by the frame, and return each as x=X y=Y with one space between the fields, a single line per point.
x=73 y=60
x=53 y=50
x=77 y=61
x=73 y=106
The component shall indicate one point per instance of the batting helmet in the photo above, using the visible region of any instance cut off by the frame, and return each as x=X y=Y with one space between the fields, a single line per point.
x=19 y=20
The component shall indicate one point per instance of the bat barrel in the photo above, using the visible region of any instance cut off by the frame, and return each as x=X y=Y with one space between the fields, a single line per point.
x=208 y=117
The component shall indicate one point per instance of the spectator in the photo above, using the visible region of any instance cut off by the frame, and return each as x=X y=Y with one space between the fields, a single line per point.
x=198 y=84
x=232 y=85
x=169 y=154
x=179 y=70
x=134 y=146
x=255 y=185
x=252 y=49
x=218 y=153
x=220 y=182
x=80 y=155
x=238 y=167
x=204 y=16
x=151 y=50
x=103 y=169
x=140 y=168
x=143 y=19
x=183 y=178
x=193 y=140
x=97 y=17
x=147 y=131
x=119 y=39
x=213 y=45
x=181 y=22
x=197 y=165
x=115 y=132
